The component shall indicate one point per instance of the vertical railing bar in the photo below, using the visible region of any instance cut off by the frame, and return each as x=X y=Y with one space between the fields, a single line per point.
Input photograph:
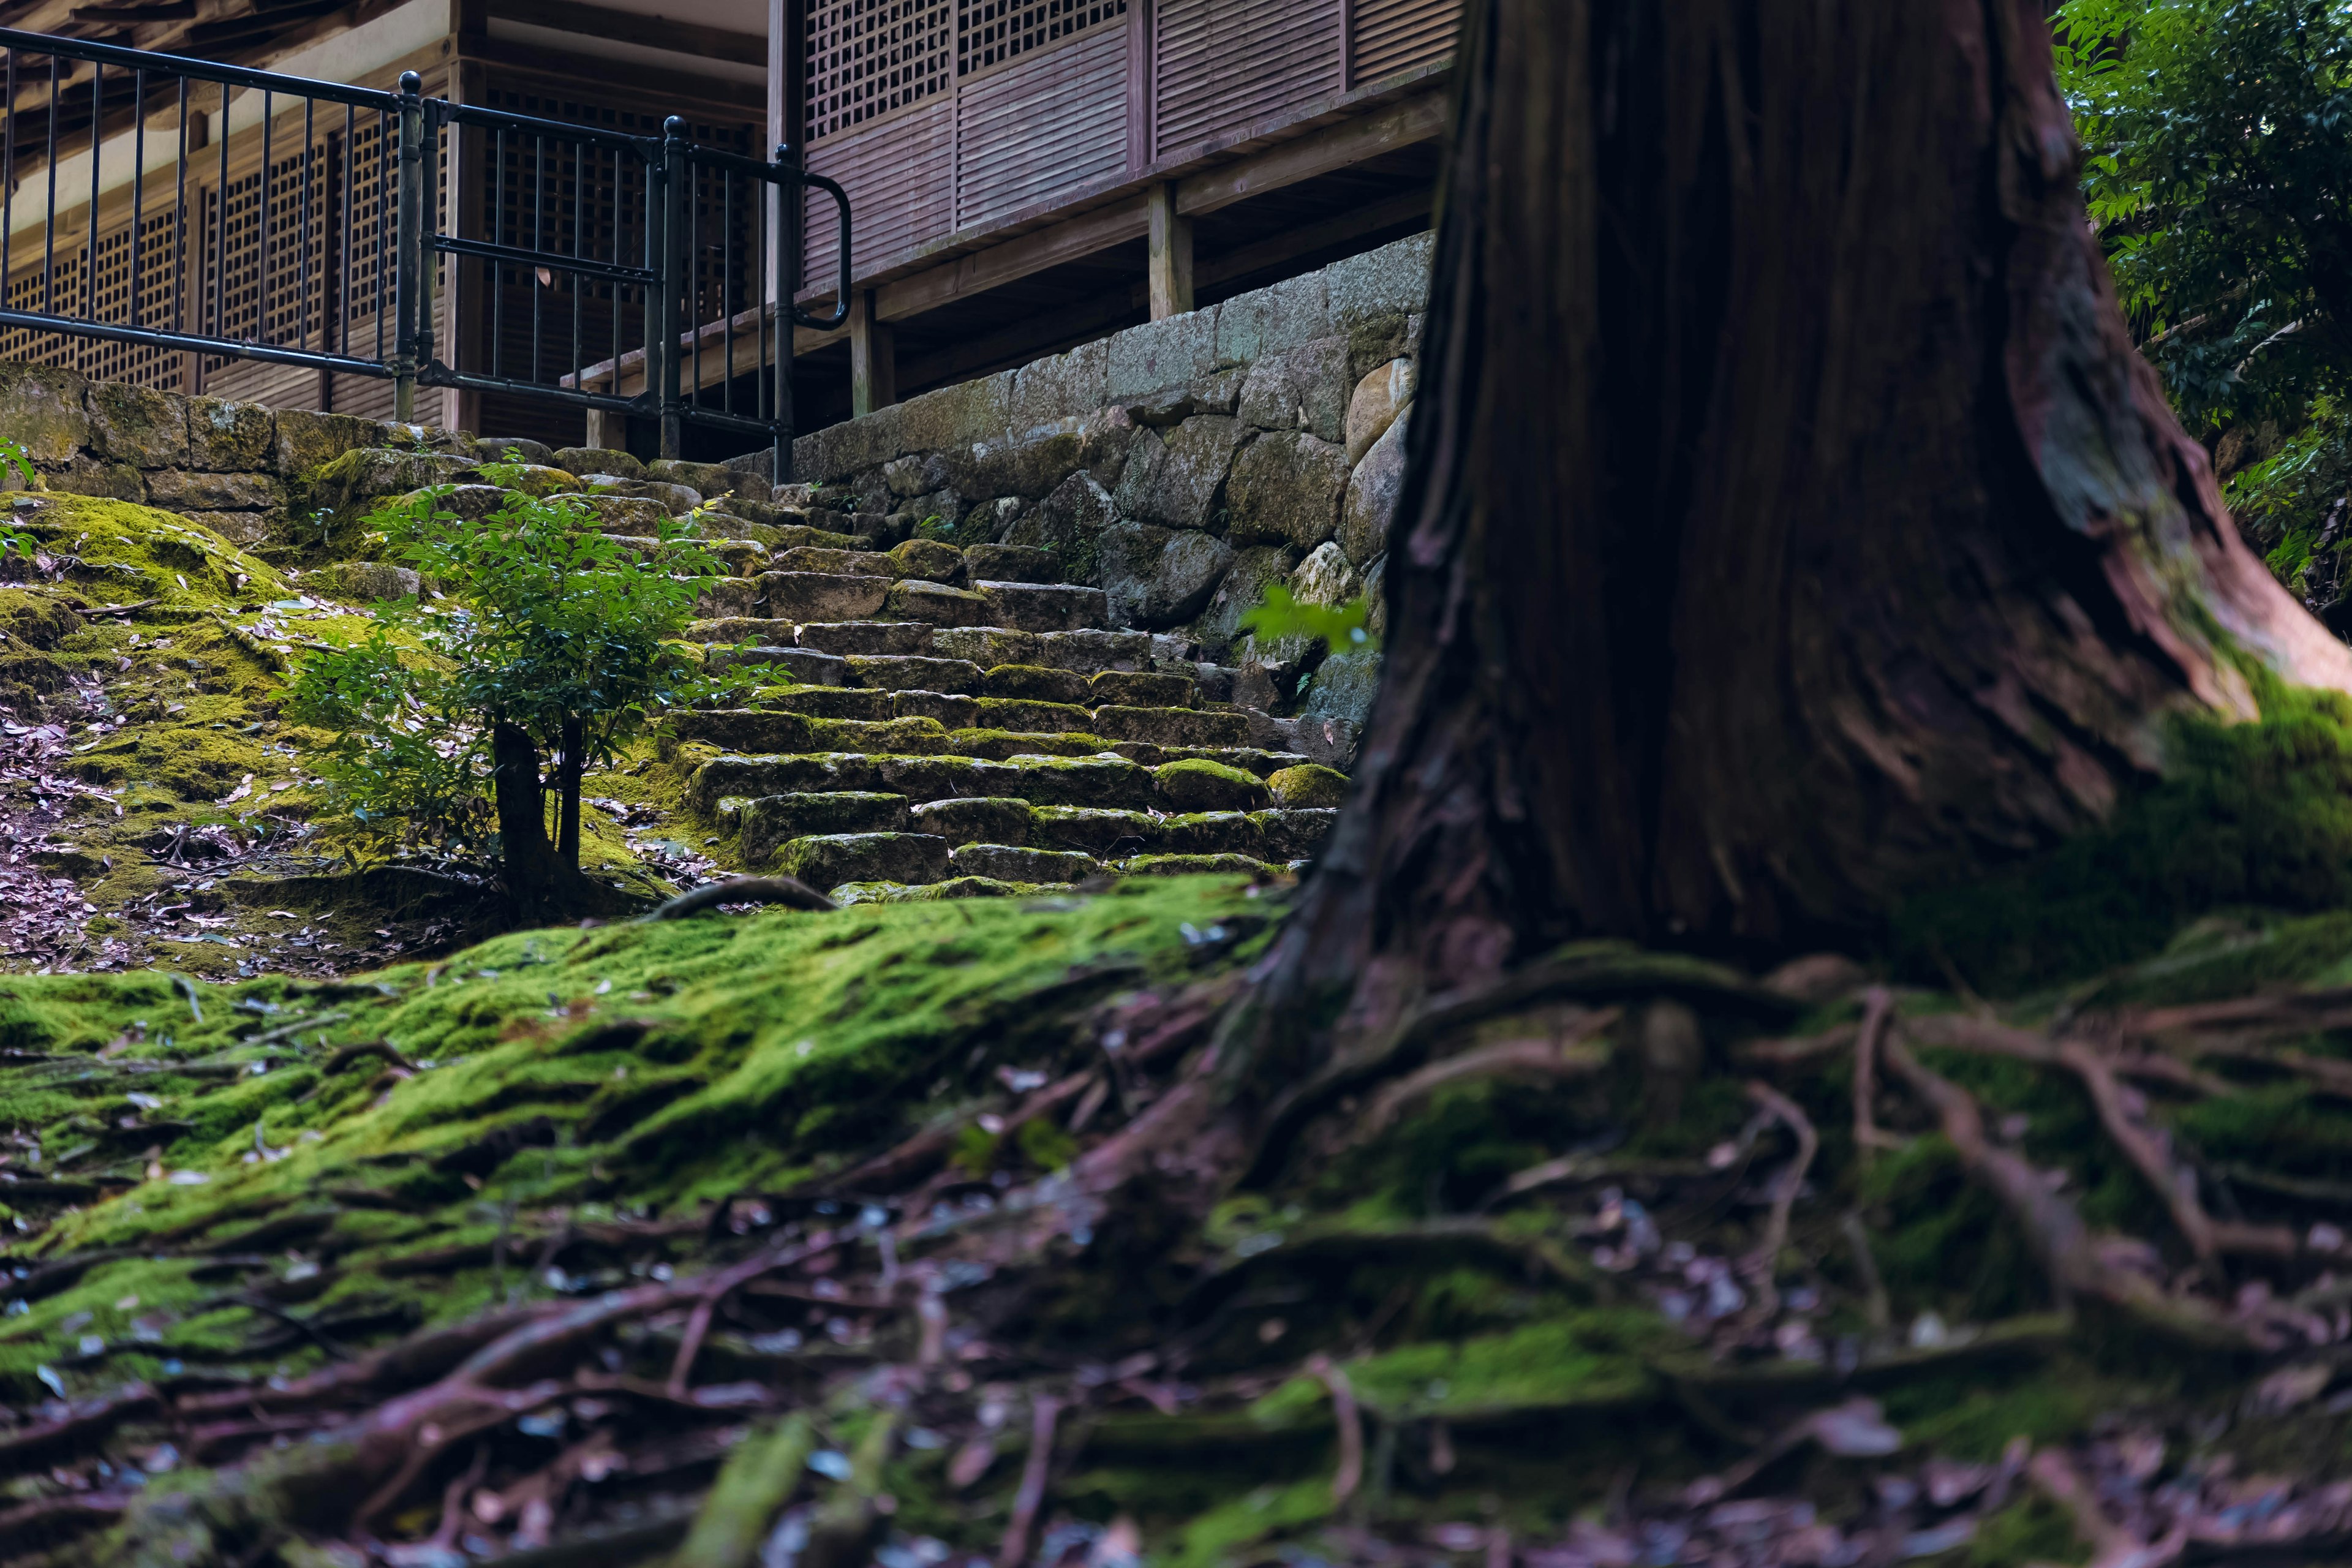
x=538 y=245
x=692 y=281
x=620 y=289
x=760 y=317
x=580 y=156
x=261 y=223
x=350 y=172
x=302 y=236
x=180 y=219
x=138 y=181
x=220 y=229
x=49 y=229
x=493 y=271
x=8 y=184
x=727 y=284
x=97 y=123
x=386 y=225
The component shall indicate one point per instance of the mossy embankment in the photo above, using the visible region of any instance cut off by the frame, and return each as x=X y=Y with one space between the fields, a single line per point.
x=198 y=826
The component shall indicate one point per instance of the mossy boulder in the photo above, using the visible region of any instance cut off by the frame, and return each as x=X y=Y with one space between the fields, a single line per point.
x=1199 y=784
x=927 y=560
x=1307 y=786
x=36 y=620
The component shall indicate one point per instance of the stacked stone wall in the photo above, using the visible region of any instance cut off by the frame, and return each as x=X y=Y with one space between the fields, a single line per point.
x=1182 y=466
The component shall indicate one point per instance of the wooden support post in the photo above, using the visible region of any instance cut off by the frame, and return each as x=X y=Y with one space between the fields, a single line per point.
x=1171 y=255
x=873 y=357
x=607 y=431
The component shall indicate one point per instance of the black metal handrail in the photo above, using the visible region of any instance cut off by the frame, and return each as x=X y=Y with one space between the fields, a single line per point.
x=371 y=269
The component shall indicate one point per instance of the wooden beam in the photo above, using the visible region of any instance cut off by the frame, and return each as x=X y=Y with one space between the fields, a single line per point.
x=1291 y=243
x=873 y=358
x=1350 y=142
x=1171 y=255
x=1069 y=240
x=653 y=32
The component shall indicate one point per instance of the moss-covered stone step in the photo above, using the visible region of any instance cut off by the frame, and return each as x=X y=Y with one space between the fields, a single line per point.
x=1172 y=726
x=1252 y=760
x=938 y=605
x=827 y=702
x=804 y=665
x=1095 y=781
x=834 y=563
x=1012 y=564
x=956 y=713
x=1037 y=683
x=871 y=639
x=916 y=672
x=825 y=596
x=768 y=731
x=1141 y=688
x=827 y=861
x=1033 y=717
x=1044 y=606
x=1004 y=743
x=1013 y=863
x=677 y=499
x=768 y=823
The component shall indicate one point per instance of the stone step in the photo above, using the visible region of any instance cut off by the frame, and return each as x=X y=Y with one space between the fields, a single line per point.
x=822 y=596
x=770 y=822
x=770 y=732
x=1250 y=760
x=1044 y=606
x=1172 y=726
x=1024 y=717
x=834 y=563
x=1096 y=781
x=936 y=604
x=1009 y=863
x=801 y=664
x=726 y=631
x=674 y=499
x=827 y=702
x=916 y=672
x=927 y=560
x=1141 y=688
x=1037 y=683
x=1012 y=564
x=828 y=860
x=874 y=638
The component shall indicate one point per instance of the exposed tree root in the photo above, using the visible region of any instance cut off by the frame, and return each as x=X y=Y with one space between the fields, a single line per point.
x=787 y=892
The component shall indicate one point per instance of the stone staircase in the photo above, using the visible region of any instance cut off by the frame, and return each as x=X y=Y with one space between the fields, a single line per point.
x=913 y=720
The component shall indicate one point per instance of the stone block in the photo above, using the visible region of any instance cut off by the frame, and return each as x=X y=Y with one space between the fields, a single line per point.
x=1110 y=781
x=516 y=449
x=704 y=478
x=1374 y=405
x=985 y=821
x=674 y=499
x=1326 y=578
x=1068 y=525
x=1330 y=741
x=1138 y=688
x=1264 y=322
x=1198 y=865
x=795 y=536
x=631 y=515
x=1240 y=591
x=374 y=580
x=1214 y=833
x=1306 y=388
x=1044 y=606
x=828 y=860
x=1308 y=787
x=83 y=475
x=827 y=702
x=1391 y=280
x=999 y=744
x=727 y=597
x=1296 y=834
x=1093 y=830
x=1182 y=485
x=950 y=711
x=754 y=631
x=1028 y=718
x=1367 y=510
x=749 y=730
x=894 y=736
x=1071 y=385
x=1155 y=577
x=307 y=440
x=829 y=455
x=230 y=437
x=804 y=665
x=1036 y=683
x=933 y=777
x=1091 y=652
x=586 y=460
x=1145 y=360
x=834 y=563
x=138 y=425
x=820 y=596
x=1006 y=863
x=960 y=415
x=1200 y=785
x=1172 y=726
x=770 y=822
x=44 y=409
x=925 y=559
x=177 y=490
x=1025 y=464
x=935 y=605
x=986 y=647
x=846 y=637
x=763 y=775
x=1284 y=489
x=1343 y=686
x=1012 y=564
x=916 y=672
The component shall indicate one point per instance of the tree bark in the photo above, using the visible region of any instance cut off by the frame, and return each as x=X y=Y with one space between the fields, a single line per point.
x=1790 y=522
x=539 y=879
x=568 y=772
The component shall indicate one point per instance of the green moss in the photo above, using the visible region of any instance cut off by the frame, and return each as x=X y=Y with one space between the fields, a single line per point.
x=1592 y=1360
x=2032 y=1530
x=1223 y=1534
x=139 y=553
x=2250 y=814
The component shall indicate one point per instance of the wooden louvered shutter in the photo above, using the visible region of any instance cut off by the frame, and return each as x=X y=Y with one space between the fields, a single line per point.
x=1046 y=111
x=1221 y=66
x=1387 y=37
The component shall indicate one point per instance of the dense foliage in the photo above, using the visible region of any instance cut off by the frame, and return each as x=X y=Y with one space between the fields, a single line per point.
x=546 y=625
x=2219 y=172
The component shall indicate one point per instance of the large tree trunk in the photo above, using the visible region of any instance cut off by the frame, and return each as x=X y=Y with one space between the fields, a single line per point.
x=1791 y=522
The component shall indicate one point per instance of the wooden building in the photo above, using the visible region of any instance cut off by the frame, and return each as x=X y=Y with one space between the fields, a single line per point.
x=1027 y=174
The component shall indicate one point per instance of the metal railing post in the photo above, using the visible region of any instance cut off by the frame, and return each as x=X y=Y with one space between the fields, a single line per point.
x=408 y=249
x=676 y=177
x=791 y=202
